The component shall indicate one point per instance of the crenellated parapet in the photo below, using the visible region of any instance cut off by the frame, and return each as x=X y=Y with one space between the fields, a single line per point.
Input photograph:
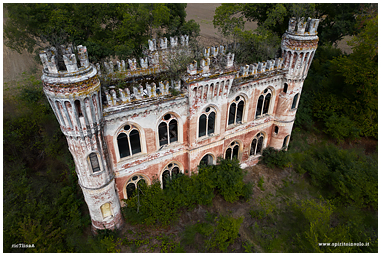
x=299 y=44
x=260 y=68
x=119 y=96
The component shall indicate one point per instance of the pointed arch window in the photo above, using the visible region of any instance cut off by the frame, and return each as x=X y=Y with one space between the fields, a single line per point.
x=207 y=121
x=295 y=101
x=263 y=104
x=232 y=151
x=170 y=172
x=134 y=183
x=168 y=131
x=236 y=111
x=128 y=141
x=207 y=160
x=257 y=145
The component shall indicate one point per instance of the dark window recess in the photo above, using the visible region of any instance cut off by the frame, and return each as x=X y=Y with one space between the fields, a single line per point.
x=240 y=112
x=202 y=126
x=166 y=177
x=206 y=160
x=235 y=151
x=175 y=172
x=253 y=147
x=259 y=106
x=94 y=162
x=267 y=103
x=295 y=101
x=130 y=190
x=285 y=141
x=285 y=87
x=135 y=142
x=78 y=108
x=259 y=146
x=276 y=130
x=211 y=121
x=123 y=145
x=232 y=113
x=163 y=134
x=173 y=131
x=228 y=154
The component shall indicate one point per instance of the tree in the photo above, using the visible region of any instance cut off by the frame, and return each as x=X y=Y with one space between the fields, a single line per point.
x=106 y=29
x=336 y=20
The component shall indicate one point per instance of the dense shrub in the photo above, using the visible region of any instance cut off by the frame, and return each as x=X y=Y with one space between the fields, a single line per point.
x=154 y=205
x=343 y=175
x=272 y=157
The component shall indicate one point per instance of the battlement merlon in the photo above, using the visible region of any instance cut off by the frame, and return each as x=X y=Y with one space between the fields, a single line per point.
x=301 y=27
x=49 y=60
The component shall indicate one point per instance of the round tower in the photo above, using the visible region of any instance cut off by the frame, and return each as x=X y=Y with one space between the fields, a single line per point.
x=298 y=46
x=73 y=91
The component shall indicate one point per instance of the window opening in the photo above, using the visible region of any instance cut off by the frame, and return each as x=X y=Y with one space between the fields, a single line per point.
x=295 y=101
x=276 y=130
x=232 y=151
x=106 y=210
x=285 y=141
x=207 y=160
x=134 y=183
x=129 y=141
x=236 y=111
x=171 y=171
x=285 y=87
x=168 y=130
x=263 y=104
x=206 y=122
x=94 y=162
x=257 y=145
x=78 y=107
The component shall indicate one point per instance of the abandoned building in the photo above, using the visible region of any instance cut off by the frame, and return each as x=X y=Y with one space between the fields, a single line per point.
x=141 y=126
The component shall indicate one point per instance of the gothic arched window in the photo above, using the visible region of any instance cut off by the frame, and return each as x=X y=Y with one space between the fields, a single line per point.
x=134 y=183
x=207 y=160
x=94 y=163
x=295 y=101
x=232 y=151
x=168 y=130
x=170 y=172
x=257 y=144
x=206 y=124
x=128 y=141
x=263 y=104
x=236 y=110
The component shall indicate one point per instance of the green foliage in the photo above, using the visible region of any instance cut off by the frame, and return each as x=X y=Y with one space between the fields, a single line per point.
x=336 y=19
x=217 y=233
x=260 y=183
x=317 y=215
x=162 y=206
x=341 y=127
x=272 y=157
x=106 y=29
x=342 y=175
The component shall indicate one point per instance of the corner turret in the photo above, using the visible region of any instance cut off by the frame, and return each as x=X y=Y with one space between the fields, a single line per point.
x=74 y=93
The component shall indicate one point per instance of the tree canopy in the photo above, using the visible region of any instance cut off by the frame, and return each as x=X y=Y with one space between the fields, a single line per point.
x=336 y=19
x=106 y=29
